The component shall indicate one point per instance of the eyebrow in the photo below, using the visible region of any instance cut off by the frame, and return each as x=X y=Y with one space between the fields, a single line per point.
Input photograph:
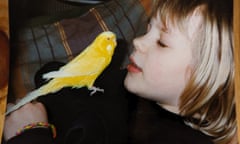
x=164 y=25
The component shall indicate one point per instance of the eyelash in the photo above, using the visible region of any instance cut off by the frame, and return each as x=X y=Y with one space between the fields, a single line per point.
x=161 y=44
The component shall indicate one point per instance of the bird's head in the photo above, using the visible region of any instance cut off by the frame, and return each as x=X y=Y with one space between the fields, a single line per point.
x=106 y=42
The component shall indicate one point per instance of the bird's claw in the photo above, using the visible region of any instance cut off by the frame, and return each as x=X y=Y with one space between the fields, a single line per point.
x=95 y=89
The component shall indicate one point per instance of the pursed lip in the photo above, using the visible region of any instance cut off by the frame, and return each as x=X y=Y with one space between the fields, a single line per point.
x=133 y=67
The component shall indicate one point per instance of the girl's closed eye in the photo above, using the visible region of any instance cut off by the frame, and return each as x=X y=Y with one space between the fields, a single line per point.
x=161 y=44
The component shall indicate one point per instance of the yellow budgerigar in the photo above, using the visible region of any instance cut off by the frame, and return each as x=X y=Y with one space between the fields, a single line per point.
x=82 y=71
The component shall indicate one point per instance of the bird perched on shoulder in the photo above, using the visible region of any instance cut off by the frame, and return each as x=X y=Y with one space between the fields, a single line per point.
x=82 y=71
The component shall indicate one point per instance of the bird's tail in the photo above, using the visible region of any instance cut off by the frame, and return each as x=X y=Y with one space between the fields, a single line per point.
x=28 y=98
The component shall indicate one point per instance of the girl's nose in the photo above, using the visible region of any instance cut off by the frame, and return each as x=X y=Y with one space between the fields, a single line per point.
x=139 y=44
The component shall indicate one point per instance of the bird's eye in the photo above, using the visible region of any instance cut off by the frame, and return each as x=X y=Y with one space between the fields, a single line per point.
x=108 y=38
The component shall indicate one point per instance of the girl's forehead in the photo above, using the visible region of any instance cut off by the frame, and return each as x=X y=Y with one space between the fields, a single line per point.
x=187 y=24
x=161 y=23
x=171 y=14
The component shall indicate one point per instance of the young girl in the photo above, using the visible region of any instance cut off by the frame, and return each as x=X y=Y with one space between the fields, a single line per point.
x=184 y=63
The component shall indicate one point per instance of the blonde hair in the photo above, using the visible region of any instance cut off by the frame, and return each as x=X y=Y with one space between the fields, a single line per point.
x=207 y=102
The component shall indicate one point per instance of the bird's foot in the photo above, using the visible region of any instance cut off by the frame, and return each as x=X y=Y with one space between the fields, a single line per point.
x=95 y=89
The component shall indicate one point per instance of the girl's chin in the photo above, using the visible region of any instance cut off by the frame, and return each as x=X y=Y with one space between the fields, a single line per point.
x=129 y=85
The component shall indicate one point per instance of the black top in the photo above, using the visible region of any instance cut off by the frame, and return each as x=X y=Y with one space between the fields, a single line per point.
x=155 y=125
x=33 y=136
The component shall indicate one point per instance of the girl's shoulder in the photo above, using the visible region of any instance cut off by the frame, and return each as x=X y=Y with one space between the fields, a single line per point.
x=169 y=128
x=154 y=125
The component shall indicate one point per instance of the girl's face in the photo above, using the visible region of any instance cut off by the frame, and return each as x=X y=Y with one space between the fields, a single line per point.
x=160 y=63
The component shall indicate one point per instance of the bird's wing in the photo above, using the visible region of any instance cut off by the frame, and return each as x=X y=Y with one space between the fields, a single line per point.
x=81 y=68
